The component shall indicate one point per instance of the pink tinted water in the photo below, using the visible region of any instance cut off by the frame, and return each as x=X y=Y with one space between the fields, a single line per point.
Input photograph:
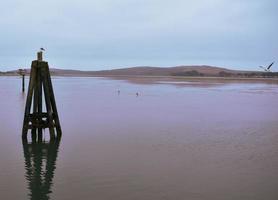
x=173 y=141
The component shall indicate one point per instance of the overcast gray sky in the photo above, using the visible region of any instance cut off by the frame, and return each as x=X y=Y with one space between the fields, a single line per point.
x=105 y=34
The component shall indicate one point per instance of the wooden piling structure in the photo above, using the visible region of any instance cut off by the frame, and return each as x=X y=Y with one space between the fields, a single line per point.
x=40 y=85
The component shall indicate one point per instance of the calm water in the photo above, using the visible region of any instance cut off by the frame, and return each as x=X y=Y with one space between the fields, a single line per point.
x=174 y=141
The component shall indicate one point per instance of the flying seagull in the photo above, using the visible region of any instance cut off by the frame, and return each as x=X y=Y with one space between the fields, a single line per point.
x=42 y=49
x=267 y=69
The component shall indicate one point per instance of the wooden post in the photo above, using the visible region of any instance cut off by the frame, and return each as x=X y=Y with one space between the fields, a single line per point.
x=23 y=82
x=37 y=120
x=39 y=56
x=22 y=73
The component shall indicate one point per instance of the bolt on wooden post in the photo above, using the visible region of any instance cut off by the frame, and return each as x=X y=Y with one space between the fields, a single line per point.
x=34 y=118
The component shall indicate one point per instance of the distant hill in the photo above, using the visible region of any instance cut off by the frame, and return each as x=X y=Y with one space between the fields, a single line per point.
x=197 y=71
x=167 y=71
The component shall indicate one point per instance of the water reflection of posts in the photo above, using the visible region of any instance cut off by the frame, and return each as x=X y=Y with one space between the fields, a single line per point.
x=40 y=164
x=22 y=73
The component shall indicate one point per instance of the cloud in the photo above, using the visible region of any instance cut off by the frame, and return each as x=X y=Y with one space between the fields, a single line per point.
x=110 y=33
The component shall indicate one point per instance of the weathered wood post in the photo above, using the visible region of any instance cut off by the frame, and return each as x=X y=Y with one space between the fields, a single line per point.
x=39 y=83
x=23 y=83
x=22 y=72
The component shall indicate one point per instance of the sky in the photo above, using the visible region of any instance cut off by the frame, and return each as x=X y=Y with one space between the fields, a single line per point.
x=107 y=34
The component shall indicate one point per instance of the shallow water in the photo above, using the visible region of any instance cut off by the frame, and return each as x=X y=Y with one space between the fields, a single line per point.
x=174 y=141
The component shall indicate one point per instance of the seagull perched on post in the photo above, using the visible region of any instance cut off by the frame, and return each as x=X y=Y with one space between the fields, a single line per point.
x=267 y=69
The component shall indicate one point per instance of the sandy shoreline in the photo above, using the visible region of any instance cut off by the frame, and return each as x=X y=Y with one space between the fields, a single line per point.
x=177 y=80
x=170 y=78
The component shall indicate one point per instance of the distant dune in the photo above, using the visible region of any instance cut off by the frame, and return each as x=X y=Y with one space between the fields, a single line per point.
x=194 y=71
x=167 y=71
